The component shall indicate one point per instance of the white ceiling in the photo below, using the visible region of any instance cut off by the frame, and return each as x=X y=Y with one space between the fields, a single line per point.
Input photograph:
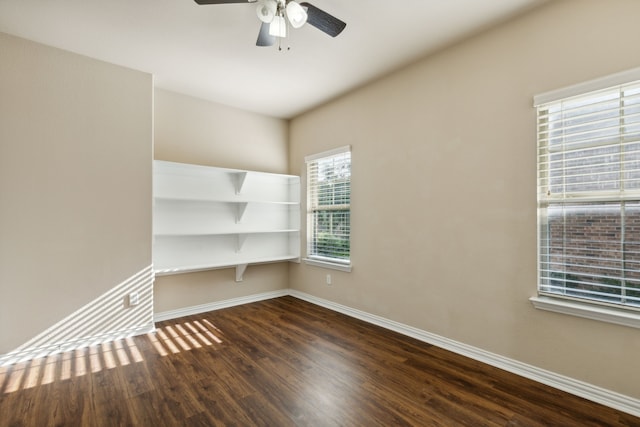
x=209 y=51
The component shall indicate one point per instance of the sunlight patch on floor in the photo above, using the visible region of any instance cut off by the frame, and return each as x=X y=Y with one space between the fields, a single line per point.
x=186 y=336
x=71 y=364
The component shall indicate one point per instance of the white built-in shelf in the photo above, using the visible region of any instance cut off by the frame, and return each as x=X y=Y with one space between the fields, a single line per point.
x=206 y=218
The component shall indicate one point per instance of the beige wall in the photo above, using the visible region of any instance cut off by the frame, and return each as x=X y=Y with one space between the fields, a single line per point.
x=191 y=130
x=75 y=187
x=444 y=189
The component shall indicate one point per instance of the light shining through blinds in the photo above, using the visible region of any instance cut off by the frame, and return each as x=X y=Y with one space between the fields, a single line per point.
x=589 y=196
x=329 y=206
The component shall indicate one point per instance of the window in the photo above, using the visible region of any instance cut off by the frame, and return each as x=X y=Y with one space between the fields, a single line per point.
x=329 y=208
x=589 y=192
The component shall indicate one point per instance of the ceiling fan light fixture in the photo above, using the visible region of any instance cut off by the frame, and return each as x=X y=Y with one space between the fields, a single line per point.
x=278 y=27
x=296 y=14
x=266 y=10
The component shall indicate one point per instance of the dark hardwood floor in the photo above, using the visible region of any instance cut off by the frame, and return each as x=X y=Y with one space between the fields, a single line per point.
x=282 y=362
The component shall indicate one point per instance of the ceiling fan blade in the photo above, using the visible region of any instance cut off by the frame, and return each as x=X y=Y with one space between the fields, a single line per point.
x=323 y=21
x=202 y=2
x=264 y=38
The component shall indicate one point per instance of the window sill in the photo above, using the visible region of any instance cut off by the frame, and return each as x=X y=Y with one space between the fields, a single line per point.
x=328 y=264
x=588 y=311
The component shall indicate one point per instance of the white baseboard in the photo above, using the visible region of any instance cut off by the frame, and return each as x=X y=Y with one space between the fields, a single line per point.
x=203 y=308
x=579 y=388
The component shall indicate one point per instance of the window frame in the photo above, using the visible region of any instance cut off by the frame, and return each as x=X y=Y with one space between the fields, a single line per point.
x=336 y=263
x=618 y=313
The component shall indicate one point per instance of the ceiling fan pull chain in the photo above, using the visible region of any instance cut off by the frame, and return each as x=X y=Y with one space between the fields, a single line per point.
x=288 y=23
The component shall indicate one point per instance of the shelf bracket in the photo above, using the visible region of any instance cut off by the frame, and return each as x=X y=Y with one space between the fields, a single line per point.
x=240 y=269
x=240 y=210
x=240 y=239
x=238 y=180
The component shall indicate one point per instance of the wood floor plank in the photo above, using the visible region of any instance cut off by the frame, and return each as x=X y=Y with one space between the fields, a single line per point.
x=281 y=362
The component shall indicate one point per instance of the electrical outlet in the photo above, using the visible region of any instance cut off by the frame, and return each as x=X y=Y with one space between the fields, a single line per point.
x=134 y=298
x=329 y=279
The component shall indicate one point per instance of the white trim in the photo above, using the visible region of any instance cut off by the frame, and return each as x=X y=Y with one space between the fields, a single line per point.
x=587 y=311
x=611 y=80
x=212 y=306
x=585 y=390
x=328 y=264
x=328 y=153
x=35 y=353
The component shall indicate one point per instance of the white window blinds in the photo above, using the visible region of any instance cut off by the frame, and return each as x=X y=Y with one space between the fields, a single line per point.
x=329 y=205
x=589 y=196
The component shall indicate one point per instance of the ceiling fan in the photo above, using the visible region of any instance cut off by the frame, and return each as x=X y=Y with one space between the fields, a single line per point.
x=274 y=26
